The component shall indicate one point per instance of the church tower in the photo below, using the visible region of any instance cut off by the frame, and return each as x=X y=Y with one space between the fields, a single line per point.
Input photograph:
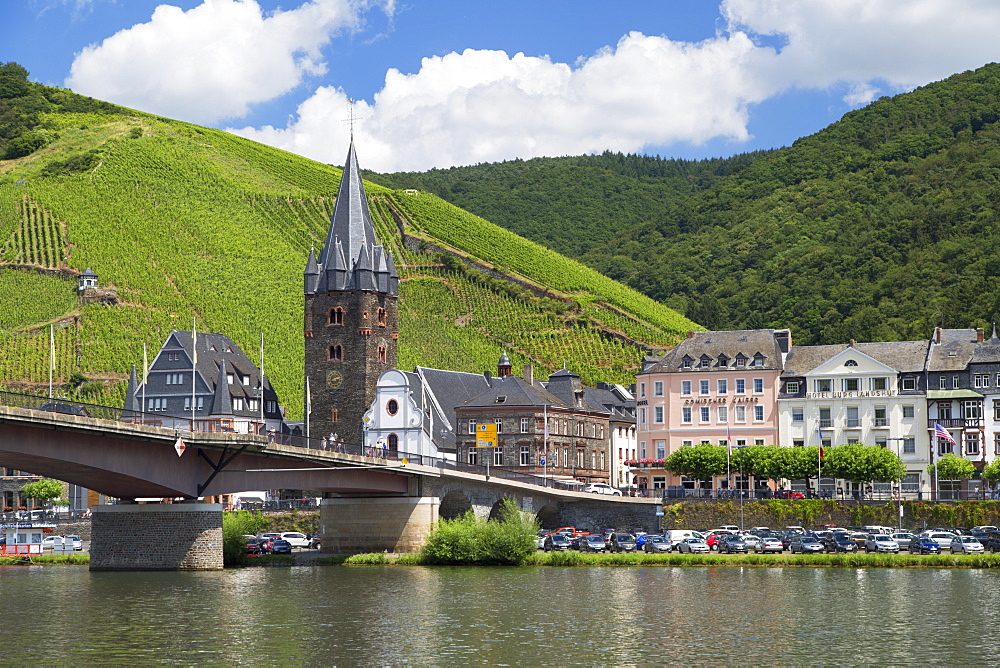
x=351 y=316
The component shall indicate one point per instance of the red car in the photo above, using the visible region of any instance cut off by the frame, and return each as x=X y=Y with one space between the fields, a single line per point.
x=712 y=540
x=788 y=494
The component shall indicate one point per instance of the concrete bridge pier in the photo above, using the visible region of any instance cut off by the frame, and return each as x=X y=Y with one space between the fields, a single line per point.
x=376 y=524
x=156 y=537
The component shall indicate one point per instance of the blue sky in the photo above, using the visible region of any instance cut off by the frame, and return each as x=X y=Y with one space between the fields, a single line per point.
x=442 y=83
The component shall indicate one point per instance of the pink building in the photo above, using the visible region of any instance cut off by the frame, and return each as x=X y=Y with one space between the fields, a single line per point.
x=711 y=387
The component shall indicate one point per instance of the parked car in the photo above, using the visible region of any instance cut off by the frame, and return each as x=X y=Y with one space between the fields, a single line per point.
x=592 y=543
x=315 y=541
x=942 y=538
x=751 y=539
x=49 y=542
x=769 y=544
x=880 y=542
x=281 y=546
x=804 y=544
x=840 y=542
x=966 y=545
x=923 y=544
x=692 y=545
x=715 y=536
x=556 y=541
x=295 y=538
x=602 y=488
x=991 y=541
x=657 y=543
x=76 y=541
x=903 y=539
x=732 y=543
x=257 y=546
x=788 y=494
x=622 y=542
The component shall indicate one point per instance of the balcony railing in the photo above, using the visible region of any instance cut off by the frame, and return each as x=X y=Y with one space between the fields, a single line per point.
x=881 y=422
x=854 y=423
x=825 y=423
x=956 y=423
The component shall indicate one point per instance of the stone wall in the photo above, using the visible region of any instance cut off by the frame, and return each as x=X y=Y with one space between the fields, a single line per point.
x=156 y=537
x=393 y=524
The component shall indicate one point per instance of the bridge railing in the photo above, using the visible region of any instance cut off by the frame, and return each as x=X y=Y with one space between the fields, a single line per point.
x=83 y=409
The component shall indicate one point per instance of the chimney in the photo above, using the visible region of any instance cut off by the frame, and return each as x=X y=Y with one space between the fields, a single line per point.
x=784 y=339
x=979 y=334
x=937 y=335
x=690 y=334
x=488 y=375
x=529 y=374
x=851 y=344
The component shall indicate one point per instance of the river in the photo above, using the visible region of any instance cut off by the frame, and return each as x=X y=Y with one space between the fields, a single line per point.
x=315 y=615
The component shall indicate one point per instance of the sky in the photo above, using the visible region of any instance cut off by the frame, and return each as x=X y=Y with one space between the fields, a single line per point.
x=440 y=83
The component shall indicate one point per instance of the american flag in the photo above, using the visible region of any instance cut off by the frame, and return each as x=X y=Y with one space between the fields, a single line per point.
x=941 y=432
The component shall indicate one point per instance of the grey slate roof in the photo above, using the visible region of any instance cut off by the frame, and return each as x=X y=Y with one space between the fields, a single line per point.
x=954 y=352
x=451 y=389
x=903 y=356
x=988 y=351
x=747 y=342
x=516 y=392
x=619 y=403
x=351 y=258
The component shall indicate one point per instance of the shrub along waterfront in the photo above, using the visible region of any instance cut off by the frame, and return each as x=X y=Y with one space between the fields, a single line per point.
x=509 y=541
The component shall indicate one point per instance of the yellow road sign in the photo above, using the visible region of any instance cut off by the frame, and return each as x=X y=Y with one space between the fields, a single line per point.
x=486 y=436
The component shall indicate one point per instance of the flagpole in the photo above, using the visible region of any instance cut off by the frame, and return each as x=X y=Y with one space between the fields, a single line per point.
x=194 y=366
x=309 y=408
x=545 y=443
x=145 y=379
x=52 y=355
x=263 y=425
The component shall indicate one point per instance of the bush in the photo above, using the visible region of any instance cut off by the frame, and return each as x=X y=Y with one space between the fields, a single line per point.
x=468 y=540
x=234 y=526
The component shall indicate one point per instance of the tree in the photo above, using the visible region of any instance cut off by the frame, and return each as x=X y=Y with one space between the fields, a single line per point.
x=863 y=463
x=43 y=491
x=797 y=463
x=697 y=461
x=992 y=471
x=952 y=467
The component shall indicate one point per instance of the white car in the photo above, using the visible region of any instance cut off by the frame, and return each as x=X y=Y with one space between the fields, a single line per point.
x=966 y=545
x=942 y=538
x=602 y=488
x=295 y=538
x=76 y=541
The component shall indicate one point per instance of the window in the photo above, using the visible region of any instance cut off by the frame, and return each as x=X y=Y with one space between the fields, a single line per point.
x=758 y=413
x=524 y=458
x=657 y=388
x=996 y=410
x=237 y=403
x=642 y=449
x=944 y=446
x=758 y=386
x=740 y=413
x=642 y=415
x=909 y=383
x=689 y=443
x=824 y=418
x=944 y=411
x=334 y=415
x=942 y=382
x=722 y=386
x=173 y=357
x=705 y=414
x=705 y=362
x=579 y=459
x=851 y=363
x=880 y=442
x=758 y=360
x=658 y=414
x=880 y=417
x=642 y=390
x=381 y=355
x=981 y=380
x=380 y=314
x=472 y=426
x=198 y=404
x=852 y=417
x=253 y=404
x=850 y=384
x=954 y=382
x=998 y=380
x=853 y=441
x=393 y=442
x=686 y=388
x=722 y=360
x=798 y=415
x=723 y=414
x=792 y=387
x=741 y=386
x=686 y=362
x=473 y=456
x=823 y=385
x=336 y=316
x=686 y=414
x=972 y=443
x=246 y=380
x=661 y=449
x=878 y=384
x=798 y=443
x=972 y=410
x=175 y=379
x=392 y=407
x=909 y=445
x=525 y=425
x=335 y=353
x=908 y=411
x=703 y=387
x=230 y=378
x=499 y=424
x=497 y=456
x=741 y=360
x=996 y=444
x=758 y=441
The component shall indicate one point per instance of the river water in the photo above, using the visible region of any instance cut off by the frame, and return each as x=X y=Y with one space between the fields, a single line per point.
x=391 y=615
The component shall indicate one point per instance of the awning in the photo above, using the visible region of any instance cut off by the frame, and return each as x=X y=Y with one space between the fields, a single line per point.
x=953 y=394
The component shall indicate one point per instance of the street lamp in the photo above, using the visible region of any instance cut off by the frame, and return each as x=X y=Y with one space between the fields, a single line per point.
x=899 y=492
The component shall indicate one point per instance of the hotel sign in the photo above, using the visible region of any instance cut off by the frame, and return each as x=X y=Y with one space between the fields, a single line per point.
x=851 y=395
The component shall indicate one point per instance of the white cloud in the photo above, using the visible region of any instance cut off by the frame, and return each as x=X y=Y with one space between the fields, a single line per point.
x=211 y=62
x=485 y=105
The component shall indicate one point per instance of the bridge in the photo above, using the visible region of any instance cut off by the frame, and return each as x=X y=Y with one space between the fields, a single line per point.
x=374 y=500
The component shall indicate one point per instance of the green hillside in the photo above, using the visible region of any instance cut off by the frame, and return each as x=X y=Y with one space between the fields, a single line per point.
x=192 y=224
x=878 y=228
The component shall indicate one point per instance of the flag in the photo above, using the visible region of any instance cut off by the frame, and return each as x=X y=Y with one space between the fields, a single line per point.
x=941 y=432
x=308 y=398
x=52 y=348
x=729 y=434
x=194 y=341
x=819 y=430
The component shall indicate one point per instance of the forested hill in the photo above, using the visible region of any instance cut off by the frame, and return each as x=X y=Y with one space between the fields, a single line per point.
x=877 y=228
x=191 y=224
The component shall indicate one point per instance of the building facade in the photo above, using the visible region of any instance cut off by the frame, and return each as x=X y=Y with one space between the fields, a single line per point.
x=351 y=315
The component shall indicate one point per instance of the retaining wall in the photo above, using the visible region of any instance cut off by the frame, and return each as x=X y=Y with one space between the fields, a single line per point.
x=156 y=537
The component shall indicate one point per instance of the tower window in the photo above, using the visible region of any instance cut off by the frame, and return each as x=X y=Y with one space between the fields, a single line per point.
x=336 y=353
x=334 y=415
x=381 y=317
x=393 y=441
x=364 y=315
x=381 y=355
x=392 y=407
x=336 y=316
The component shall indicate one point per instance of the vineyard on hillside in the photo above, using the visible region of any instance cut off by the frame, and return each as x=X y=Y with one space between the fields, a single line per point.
x=193 y=225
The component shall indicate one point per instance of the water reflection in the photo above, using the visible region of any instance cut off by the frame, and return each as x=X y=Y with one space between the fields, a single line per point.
x=397 y=615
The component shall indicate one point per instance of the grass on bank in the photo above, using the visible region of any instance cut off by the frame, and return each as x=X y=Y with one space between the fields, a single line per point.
x=46 y=560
